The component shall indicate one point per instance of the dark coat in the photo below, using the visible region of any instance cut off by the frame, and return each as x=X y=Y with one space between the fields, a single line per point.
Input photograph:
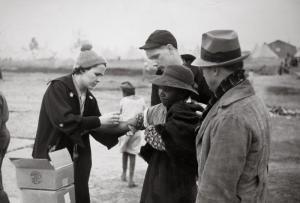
x=4 y=142
x=171 y=174
x=61 y=125
x=154 y=93
x=200 y=85
x=4 y=133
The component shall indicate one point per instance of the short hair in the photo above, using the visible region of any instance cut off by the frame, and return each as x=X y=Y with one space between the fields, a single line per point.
x=127 y=88
x=128 y=92
x=79 y=70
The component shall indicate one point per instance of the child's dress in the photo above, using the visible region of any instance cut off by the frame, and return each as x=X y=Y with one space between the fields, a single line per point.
x=130 y=106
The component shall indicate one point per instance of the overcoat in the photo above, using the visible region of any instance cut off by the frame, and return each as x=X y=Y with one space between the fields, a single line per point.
x=60 y=125
x=233 y=147
x=171 y=174
x=4 y=142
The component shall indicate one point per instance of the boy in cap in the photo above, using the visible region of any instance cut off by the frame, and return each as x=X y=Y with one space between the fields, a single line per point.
x=161 y=48
x=170 y=150
x=233 y=143
x=200 y=83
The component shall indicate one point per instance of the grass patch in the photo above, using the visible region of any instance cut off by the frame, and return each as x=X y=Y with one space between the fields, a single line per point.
x=285 y=91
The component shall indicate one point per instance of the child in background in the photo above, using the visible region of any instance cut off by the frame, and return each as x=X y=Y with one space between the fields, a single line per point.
x=130 y=105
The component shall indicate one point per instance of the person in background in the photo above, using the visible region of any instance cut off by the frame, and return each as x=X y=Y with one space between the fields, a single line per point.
x=200 y=83
x=161 y=49
x=69 y=114
x=233 y=143
x=130 y=105
x=154 y=91
x=170 y=150
x=4 y=142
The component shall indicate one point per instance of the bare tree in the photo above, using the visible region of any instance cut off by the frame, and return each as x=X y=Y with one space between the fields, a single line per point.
x=33 y=45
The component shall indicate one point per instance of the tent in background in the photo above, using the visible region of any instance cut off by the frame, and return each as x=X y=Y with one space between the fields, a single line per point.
x=263 y=51
x=297 y=55
x=263 y=60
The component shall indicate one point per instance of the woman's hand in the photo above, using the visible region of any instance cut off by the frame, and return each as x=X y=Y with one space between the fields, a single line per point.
x=112 y=118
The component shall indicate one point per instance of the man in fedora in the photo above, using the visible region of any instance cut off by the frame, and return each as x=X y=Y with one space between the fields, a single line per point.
x=161 y=49
x=233 y=143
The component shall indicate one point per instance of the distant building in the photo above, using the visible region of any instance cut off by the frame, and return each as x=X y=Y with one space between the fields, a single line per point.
x=297 y=56
x=282 y=48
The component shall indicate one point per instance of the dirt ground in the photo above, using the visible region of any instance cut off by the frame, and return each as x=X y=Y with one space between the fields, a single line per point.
x=24 y=93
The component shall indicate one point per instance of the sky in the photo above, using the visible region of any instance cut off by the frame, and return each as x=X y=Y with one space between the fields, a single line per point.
x=116 y=26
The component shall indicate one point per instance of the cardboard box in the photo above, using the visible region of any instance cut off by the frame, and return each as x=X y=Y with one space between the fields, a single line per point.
x=63 y=195
x=44 y=174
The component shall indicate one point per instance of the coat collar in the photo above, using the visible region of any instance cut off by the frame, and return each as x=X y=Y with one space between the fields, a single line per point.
x=68 y=81
x=239 y=92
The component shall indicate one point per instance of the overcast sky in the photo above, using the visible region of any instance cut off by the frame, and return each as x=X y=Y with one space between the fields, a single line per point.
x=119 y=24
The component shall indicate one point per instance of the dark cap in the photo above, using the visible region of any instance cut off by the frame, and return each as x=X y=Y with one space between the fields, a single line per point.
x=159 y=38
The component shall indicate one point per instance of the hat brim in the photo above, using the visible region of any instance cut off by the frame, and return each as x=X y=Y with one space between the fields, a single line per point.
x=150 y=46
x=171 y=82
x=206 y=64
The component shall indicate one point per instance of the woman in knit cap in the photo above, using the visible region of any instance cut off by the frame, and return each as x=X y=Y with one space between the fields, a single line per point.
x=70 y=113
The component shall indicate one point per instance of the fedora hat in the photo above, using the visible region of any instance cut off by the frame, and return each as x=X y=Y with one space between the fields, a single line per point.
x=176 y=76
x=220 y=48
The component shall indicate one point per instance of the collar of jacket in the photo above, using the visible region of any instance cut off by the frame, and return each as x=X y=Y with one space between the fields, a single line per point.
x=241 y=91
x=238 y=92
x=68 y=81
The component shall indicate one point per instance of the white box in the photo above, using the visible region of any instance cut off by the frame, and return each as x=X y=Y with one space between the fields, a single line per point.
x=44 y=174
x=63 y=195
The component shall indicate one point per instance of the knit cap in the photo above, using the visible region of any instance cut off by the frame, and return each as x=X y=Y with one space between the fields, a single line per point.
x=89 y=58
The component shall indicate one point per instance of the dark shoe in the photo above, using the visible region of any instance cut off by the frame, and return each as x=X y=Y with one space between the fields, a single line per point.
x=132 y=184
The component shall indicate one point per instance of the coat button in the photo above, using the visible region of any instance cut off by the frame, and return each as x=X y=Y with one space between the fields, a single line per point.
x=61 y=125
x=71 y=94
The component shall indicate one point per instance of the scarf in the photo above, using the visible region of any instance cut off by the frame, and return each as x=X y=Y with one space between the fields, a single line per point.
x=229 y=82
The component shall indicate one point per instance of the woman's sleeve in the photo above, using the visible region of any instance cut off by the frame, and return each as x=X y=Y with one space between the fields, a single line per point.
x=146 y=152
x=61 y=114
x=154 y=138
